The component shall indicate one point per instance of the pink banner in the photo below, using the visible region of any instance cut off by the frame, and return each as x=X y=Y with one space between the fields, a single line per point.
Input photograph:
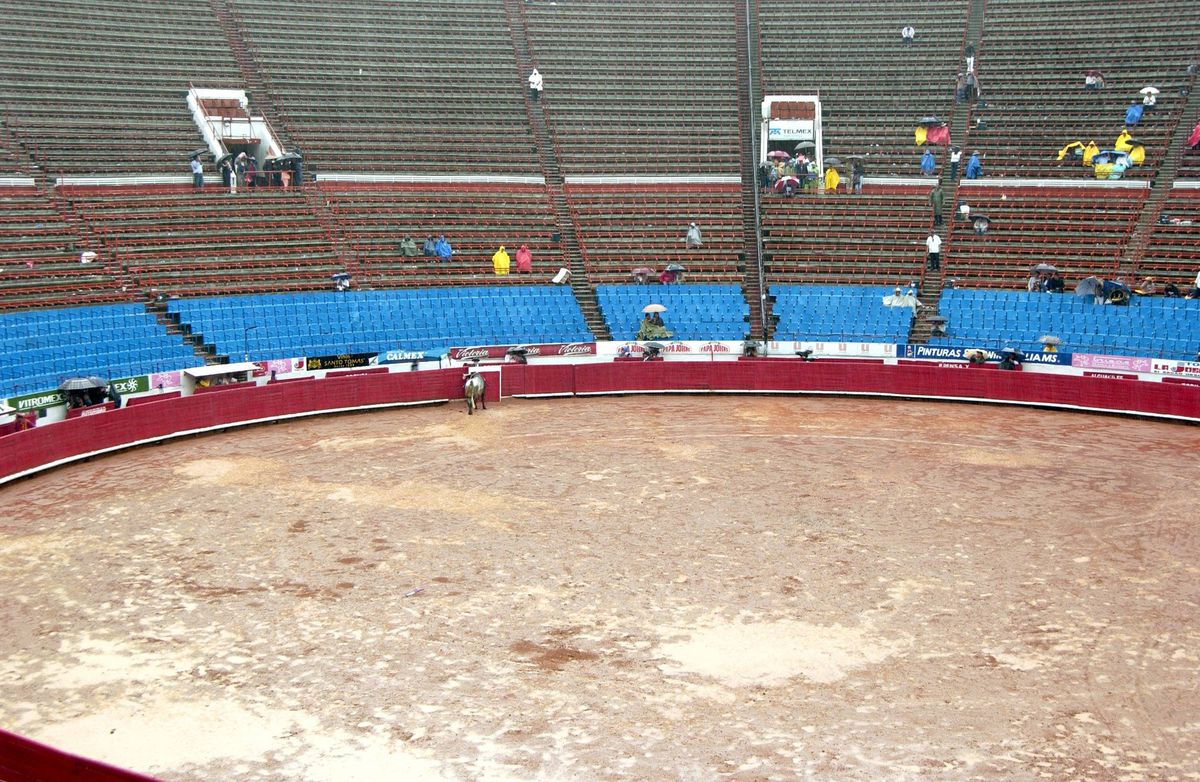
x=499 y=351
x=1115 y=363
x=164 y=380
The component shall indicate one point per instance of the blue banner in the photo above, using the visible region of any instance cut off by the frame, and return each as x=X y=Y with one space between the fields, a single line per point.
x=948 y=353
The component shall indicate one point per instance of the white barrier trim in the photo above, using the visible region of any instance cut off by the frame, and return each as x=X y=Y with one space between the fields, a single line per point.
x=604 y=179
x=1099 y=184
x=339 y=176
x=122 y=181
x=1186 y=184
x=16 y=181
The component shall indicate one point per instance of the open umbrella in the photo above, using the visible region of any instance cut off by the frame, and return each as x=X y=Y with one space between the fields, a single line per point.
x=1049 y=339
x=1093 y=72
x=652 y=349
x=1089 y=286
x=833 y=160
x=197 y=152
x=778 y=154
x=82 y=383
x=228 y=156
x=674 y=267
x=786 y=182
x=1013 y=352
x=930 y=120
x=646 y=270
x=1149 y=90
x=806 y=145
x=1045 y=267
x=654 y=308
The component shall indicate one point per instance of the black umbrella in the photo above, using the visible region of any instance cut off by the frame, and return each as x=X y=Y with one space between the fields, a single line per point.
x=197 y=152
x=82 y=383
x=228 y=156
x=674 y=267
x=517 y=351
x=930 y=120
x=1013 y=353
x=652 y=349
x=1045 y=267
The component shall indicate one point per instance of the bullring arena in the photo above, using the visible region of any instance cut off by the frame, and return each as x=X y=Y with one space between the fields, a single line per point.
x=662 y=587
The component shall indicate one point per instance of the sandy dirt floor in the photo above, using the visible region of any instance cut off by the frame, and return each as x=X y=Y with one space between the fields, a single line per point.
x=638 y=588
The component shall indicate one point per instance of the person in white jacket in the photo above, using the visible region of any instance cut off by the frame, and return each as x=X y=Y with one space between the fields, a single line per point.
x=535 y=85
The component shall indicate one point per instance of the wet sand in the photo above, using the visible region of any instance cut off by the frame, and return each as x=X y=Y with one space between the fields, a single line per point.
x=642 y=588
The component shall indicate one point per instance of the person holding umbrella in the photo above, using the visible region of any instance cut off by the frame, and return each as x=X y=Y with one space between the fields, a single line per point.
x=1149 y=97
x=832 y=178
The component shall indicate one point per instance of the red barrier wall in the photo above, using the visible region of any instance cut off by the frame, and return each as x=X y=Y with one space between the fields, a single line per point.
x=25 y=761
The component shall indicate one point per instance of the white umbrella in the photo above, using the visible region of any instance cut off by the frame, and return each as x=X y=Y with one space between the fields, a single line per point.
x=654 y=308
x=1149 y=90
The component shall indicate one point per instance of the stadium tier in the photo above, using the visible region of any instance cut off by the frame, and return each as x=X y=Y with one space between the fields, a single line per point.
x=43 y=347
x=411 y=319
x=839 y=313
x=1148 y=326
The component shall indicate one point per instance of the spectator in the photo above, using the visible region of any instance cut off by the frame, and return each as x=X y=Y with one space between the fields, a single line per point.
x=969 y=57
x=524 y=259
x=1147 y=287
x=251 y=171
x=856 y=177
x=936 y=199
x=197 y=173
x=1149 y=97
x=960 y=88
x=226 y=174
x=908 y=34
x=927 y=162
x=1133 y=115
x=239 y=170
x=974 y=167
x=501 y=262
x=832 y=178
x=443 y=249
x=535 y=85
x=1171 y=290
x=1033 y=283
x=408 y=247
x=1056 y=284
x=955 y=157
x=693 y=238
x=964 y=212
x=973 y=91
x=429 y=248
x=934 y=244
x=1093 y=80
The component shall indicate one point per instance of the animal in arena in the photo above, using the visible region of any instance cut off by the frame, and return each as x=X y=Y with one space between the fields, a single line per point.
x=475 y=389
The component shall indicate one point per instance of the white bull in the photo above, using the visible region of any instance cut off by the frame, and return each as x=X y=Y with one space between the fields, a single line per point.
x=475 y=390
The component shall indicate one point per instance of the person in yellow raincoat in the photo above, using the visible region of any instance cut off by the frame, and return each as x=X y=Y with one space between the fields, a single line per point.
x=1122 y=143
x=501 y=261
x=1137 y=154
x=1089 y=152
x=832 y=178
x=1074 y=148
x=920 y=135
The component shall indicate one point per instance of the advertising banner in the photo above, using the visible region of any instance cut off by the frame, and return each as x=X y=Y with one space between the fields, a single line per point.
x=500 y=351
x=839 y=349
x=400 y=356
x=1159 y=366
x=132 y=385
x=343 y=361
x=791 y=130
x=37 y=401
x=945 y=353
x=280 y=366
x=165 y=380
x=1110 y=363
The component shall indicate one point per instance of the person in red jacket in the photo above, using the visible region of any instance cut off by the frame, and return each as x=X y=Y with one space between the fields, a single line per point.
x=524 y=259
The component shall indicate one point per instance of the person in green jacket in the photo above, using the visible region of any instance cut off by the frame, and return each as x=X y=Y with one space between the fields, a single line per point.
x=936 y=198
x=408 y=247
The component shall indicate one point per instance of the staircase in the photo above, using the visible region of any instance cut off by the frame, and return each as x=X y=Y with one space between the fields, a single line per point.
x=1161 y=185
x=257 y=90
x=749 y=98
x=931 y=283
x=318 y=204
x=585 y=294
x=170 y=321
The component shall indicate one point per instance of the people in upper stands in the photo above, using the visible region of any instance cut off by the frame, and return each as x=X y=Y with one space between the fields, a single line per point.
x=429 y=248
x=197 y=173
x=960 y=88
x=1171 y=290
x=1133 y=115
x=832 y=178
x=936 y=199
x=908 y=33
x=652 y=327
x=1149 y=97
x=969 y=57
x=694 y=238
x=1056 y=283
x=974 y=167
x=226 y=174
x=857 y=172
x=524 y=259
x=928 y=163
x=535 y=85
x=1147 y=287
x=963 y=214
x=974 y=92
x=1093 y=80
x=955 y=157
x=239 y=170
x=442 y=249
x=251 y=171
x=408 y=247
x=1033 y=284
x=933 y=243
x=501 y=262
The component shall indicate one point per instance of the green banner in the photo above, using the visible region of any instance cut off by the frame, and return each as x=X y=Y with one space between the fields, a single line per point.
x=37 y=401
x=132 y=385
